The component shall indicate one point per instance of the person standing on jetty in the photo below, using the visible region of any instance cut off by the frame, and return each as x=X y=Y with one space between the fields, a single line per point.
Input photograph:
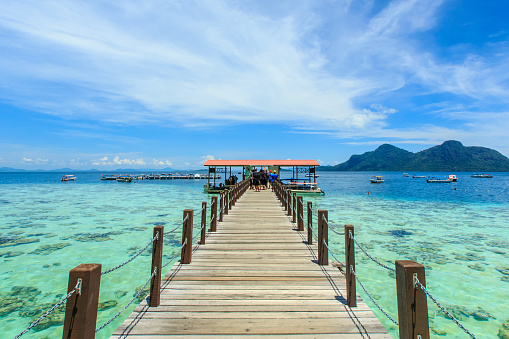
x=251 y=178
x=273 y=177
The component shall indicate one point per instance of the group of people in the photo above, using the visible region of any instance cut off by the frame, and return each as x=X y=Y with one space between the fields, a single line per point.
x=261 y=179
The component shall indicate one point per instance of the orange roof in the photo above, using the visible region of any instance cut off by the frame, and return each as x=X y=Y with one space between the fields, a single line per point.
x=261 y=163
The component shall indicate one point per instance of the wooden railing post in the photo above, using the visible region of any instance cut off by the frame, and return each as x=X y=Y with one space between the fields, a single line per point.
x=289 y=202
x=230 y=198
x=351 y=294
x=187 y=234
x=294 y=208
x=283 y=198
x=310 y=223
x=226 y=198
x=157 y=261
x=412 y=302
x=300 y=214
x=203 y=222
x=81 y=309
x=221 y=204
x=213 y=214
x=323 y=238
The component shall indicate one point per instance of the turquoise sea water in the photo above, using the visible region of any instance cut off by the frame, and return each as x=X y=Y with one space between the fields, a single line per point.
x=458 y=231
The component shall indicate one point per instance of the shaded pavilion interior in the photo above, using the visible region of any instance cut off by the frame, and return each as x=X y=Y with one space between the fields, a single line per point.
x=297 y=166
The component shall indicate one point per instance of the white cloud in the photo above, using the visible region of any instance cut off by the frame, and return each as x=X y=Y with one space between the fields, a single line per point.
x=161 y=162
x=118 y=161
x=204 y=158
x=25 y=159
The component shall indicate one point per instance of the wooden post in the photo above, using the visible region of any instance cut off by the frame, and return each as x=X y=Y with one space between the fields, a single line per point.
x=300 y=214
x=283 y=198
x=351 y=294
x=226 y=198
x=213 y=214
x=323 y=236
x=294 y=208
x=230 y=198
x=187 y=234
x=203 y=222
x=81 y=309
x=310 y=223
x=289 y=202
x=412 y=303
x=157 y=261
x=221 y=204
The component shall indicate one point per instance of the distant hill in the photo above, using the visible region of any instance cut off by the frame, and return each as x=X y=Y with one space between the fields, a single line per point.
x=449 y=156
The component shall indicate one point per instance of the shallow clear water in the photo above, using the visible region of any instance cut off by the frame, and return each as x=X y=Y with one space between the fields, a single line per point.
x=458 y=231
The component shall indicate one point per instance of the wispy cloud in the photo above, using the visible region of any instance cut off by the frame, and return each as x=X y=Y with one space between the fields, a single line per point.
x=105 y=161
x=219 y=62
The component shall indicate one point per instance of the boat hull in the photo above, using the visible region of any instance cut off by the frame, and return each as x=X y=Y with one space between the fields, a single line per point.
x=307 y=192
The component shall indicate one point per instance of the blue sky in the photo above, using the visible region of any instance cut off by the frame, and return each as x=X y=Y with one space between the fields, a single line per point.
x=154 y=84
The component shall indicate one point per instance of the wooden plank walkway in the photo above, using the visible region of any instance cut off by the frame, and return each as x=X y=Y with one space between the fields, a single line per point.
x=255 y=276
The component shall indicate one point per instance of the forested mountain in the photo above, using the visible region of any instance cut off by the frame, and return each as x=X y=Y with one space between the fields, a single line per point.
x=449 y=156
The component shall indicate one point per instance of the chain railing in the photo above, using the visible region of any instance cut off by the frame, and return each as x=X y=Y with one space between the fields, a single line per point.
x=449 y=315
x=48 y=312
x=372 y=299
x=331 y=253
x=329 y=226
x=198 y=233
x=176 y=255
x=199 y=212
x=133 y=257
x=369 y=256
x=129 y=304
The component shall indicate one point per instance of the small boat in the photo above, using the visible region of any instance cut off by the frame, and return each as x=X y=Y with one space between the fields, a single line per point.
x=483 y=175
x=68 y=177
x=418 y=176
x=453 y=177
x=109 y=177
x=124 y=179
x=376 y=179
x=304 y=188
x=312 y=175
x=406 y=175
x=434 y=180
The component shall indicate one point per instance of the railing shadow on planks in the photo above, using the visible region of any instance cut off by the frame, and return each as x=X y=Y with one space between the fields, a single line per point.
x=84 y=280
x=410 y=276
x=82 y=299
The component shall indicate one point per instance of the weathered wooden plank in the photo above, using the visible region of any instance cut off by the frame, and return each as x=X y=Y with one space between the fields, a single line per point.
x=293 y=336
x=249 y=326
x=218 y=314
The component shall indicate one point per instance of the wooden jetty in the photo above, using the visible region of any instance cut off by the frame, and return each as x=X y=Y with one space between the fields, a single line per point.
x=256 y=276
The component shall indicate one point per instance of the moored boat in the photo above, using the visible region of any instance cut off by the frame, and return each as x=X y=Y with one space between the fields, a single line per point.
x=481 y=175
x=436 y=180
x=418 y=176
x=376 y=179
x=124 y=179
x=68 y=177
x=304 y=188
x=453 y=177
x=109 y=177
